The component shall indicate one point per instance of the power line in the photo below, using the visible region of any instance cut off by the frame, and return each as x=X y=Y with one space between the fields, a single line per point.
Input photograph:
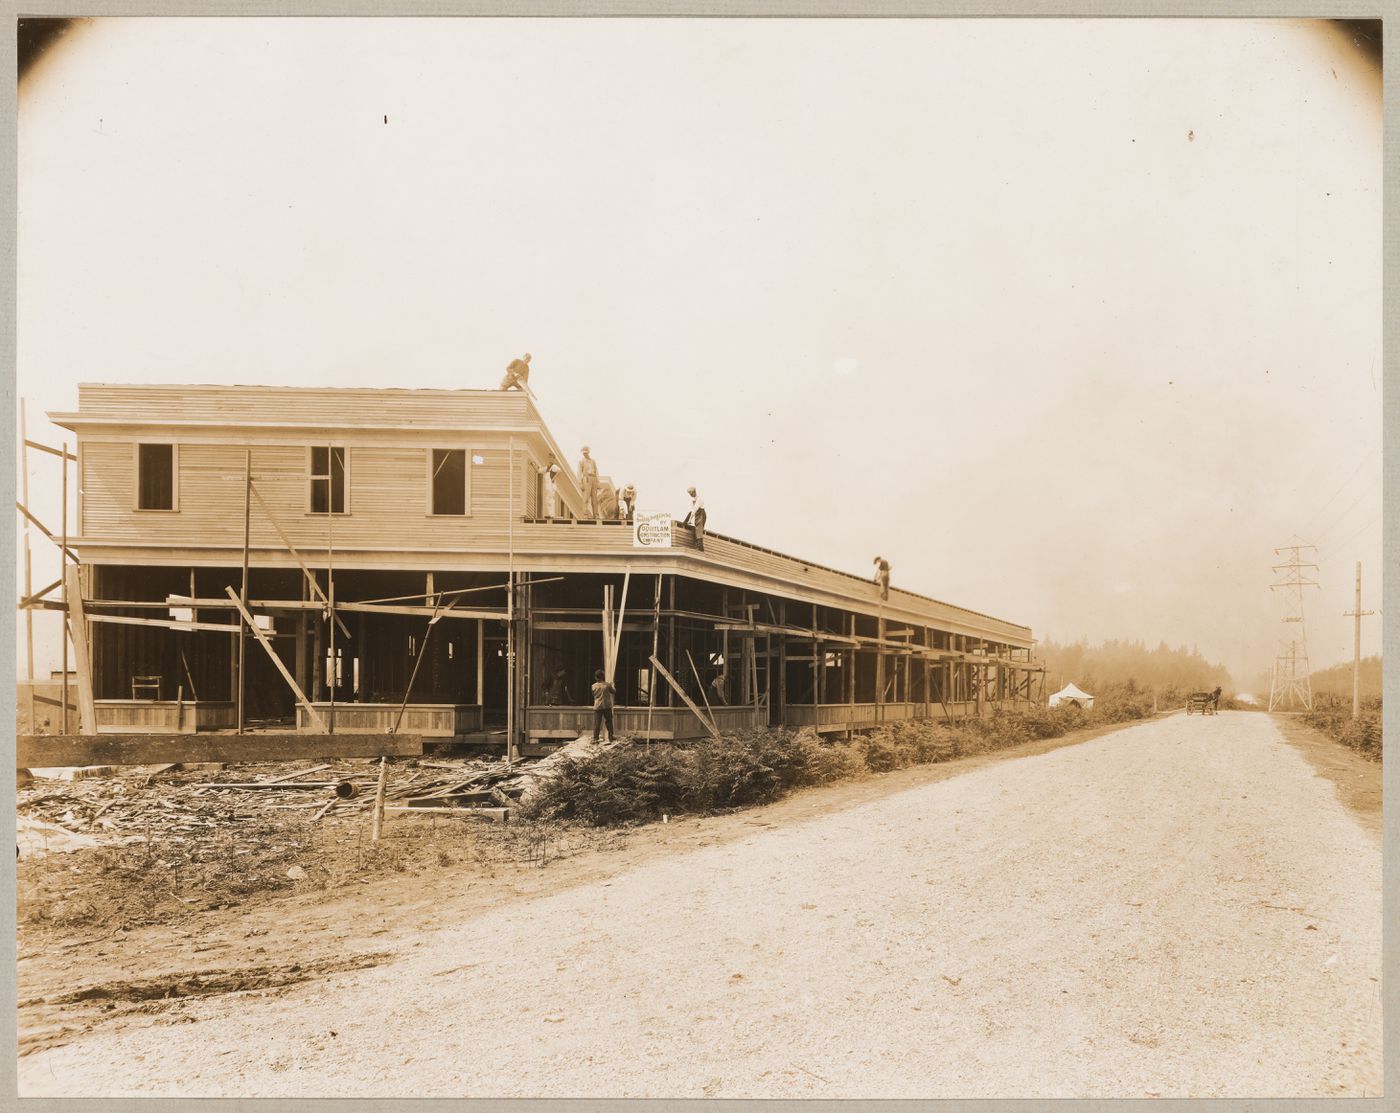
x=1337 y=547
x=1335 y=522
x=1318 y=512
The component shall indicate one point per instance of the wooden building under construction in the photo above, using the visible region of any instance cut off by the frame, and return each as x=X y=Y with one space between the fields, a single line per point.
x=365 y=560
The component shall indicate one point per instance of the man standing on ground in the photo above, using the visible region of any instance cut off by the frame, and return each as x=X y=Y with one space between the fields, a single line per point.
x=603 y=693
x=588 y=480
x=696 y=518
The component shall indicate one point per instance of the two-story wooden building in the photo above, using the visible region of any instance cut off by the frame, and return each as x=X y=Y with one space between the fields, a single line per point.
x=366 y=560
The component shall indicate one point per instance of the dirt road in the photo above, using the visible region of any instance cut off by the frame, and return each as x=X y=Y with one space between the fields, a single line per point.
x=1181 y=908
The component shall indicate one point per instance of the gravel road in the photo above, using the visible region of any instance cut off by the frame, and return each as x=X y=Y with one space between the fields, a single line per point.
x=1181 y=908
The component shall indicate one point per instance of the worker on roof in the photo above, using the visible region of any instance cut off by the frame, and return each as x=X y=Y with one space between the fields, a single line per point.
x=551 y=492
x=882 y=576
x=696 y=518
x=588 y=480
x=517 y=374
x=628 y=498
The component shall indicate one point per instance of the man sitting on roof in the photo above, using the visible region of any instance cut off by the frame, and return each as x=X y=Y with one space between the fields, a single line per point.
x=517 y=374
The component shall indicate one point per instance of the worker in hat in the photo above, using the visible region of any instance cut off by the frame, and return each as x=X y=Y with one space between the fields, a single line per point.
x=517 y=374
x=696 y=518
x=588 y=480
x=882 y=576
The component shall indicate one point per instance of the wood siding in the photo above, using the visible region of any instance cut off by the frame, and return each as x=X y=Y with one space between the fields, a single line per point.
x=162 y=716
x=443 y=720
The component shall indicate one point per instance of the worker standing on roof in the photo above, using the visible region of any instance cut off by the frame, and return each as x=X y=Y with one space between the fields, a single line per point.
x=696 y=518
x=882 y=576
x=517 y=374
x=628 y=497
x=588 y=480
x=551 y=492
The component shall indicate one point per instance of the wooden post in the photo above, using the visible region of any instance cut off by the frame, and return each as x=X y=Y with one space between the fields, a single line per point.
x=76 y=620
x=655 y=649
x=63 y=557
x=782 y=664
x=378 y=821
x=671 y=630
x=880 y=666
x=243 y=591
x=28 y=573
x=621 y=617
x=333 y=679
x=511 y=753
x=311 y=712
x=851 y=657
x=481 y=664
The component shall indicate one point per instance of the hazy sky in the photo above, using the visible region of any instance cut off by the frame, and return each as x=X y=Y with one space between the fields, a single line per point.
x=1075 y=321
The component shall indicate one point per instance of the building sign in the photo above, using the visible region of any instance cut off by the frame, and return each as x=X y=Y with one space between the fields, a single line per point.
x=651 y=531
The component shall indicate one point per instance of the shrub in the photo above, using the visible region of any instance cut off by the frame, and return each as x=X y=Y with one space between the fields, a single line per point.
x=823 y=762
x=636 y=784
x=627 y=784
x=1332 y=716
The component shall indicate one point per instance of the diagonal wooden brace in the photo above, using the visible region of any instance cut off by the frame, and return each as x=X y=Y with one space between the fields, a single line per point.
x=276 y=660
x=690 y=703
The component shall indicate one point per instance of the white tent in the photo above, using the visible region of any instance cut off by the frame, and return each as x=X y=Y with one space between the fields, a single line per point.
x=1070 y=694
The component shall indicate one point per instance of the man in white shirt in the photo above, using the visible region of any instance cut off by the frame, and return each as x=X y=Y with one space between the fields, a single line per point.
x=588 y=480
x=696 y=518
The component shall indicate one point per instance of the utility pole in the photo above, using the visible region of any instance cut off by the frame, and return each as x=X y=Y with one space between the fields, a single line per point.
x=1358 y=615
x=1292 y=684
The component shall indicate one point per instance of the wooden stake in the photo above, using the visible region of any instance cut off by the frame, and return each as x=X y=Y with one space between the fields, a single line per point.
x=379 y=802
x=243 y=591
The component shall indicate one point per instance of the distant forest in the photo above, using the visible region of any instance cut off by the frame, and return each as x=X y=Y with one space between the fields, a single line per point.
x=1336 y=681
x=1116 y=664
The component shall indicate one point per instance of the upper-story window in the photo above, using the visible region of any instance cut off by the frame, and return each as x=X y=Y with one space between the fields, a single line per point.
x=328 y=480
x=155 y=477
x=448 y=480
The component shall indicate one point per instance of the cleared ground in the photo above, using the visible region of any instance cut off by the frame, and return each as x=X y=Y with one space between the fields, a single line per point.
x=1181 y=908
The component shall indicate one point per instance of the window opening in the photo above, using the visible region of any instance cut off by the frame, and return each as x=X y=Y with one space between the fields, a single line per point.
x=449 y=481
x=156 y=477
x=327 y=480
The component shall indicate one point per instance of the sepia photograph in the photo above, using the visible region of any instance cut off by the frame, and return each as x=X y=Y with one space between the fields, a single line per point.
x=698 y=558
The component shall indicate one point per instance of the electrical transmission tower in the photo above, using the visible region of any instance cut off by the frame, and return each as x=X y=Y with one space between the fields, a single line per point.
x=1291 y=688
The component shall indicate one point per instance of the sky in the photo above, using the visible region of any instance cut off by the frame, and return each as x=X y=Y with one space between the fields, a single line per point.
x=1075 y=321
